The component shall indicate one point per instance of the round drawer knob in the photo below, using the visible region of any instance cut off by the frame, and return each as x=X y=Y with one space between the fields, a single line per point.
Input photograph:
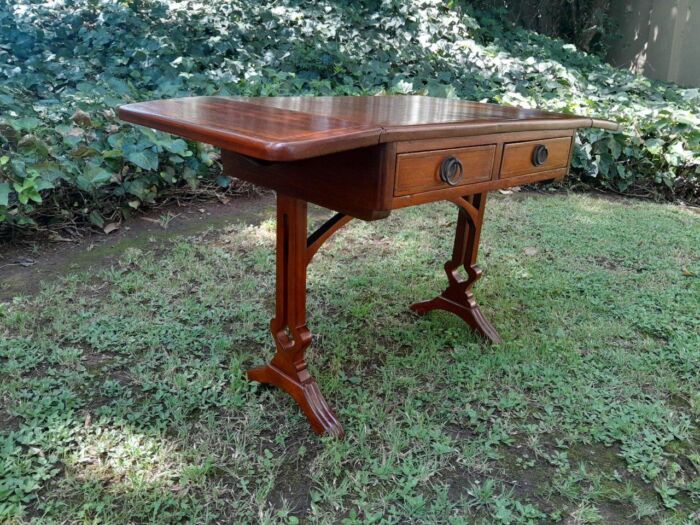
x=540 y=155
x=451 y=171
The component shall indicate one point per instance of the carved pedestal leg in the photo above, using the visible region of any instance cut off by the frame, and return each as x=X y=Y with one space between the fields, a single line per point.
x=458 y=297
x=287 y=369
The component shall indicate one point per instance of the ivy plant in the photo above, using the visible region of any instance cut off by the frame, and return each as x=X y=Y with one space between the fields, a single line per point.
x=64 y=68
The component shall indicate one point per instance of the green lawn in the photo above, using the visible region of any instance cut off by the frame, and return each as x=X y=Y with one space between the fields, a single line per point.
x=123 y=398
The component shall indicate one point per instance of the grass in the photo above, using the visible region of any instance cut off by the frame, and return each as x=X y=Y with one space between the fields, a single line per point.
x=123 y=398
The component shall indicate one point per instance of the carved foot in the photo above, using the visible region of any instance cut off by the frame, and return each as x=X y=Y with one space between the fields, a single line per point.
x=307 y=395
x=469 y=313
x=458 y=297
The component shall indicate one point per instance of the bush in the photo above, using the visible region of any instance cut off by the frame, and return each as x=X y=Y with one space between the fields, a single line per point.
x=64 y=68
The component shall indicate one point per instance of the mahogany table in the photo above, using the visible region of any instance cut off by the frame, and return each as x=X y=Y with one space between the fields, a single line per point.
x=363 y=157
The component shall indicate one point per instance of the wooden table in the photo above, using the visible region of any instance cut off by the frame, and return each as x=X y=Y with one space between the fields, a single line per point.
x=363 y=157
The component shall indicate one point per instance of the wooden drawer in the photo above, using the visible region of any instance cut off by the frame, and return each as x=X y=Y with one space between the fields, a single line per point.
x=420 y=172
x=519 y=157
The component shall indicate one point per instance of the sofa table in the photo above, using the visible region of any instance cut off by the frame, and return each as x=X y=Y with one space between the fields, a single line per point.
x=363 y=157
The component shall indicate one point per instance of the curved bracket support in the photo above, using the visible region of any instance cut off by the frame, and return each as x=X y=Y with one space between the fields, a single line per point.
x=323 y=233
x=468 y=206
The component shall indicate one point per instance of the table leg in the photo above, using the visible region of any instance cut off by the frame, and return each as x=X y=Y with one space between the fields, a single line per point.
x=458 y=297
x=287 y=369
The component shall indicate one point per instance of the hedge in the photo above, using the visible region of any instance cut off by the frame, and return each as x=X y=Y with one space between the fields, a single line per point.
x=65 y=67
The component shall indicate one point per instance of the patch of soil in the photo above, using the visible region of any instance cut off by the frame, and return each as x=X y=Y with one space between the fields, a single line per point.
x=94 y=361
x=24 y=267
x=618 y=513
x=8 y=423
x=530 y=481
x=530 y=478
x=458 y=483
x=606 y=263
x=600 y=456
x=293 y=484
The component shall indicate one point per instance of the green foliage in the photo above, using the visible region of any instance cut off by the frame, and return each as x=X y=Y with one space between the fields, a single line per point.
x=64 y=68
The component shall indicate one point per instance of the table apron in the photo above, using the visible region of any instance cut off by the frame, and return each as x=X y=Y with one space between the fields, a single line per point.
x=367 y=183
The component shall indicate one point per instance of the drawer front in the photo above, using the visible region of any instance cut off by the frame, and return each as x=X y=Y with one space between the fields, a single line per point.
x=523 y=158
x=420 y=172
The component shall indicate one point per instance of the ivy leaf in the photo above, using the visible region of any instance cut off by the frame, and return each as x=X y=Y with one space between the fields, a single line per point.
x=178 y=147
x=96 y=219
x=25 y=124
x=615 y=148
x=81 y=118
x=654 y=146
x=32 y=146
x=138 y=188
x=146 y=159
x=165 y=141
x=72 y=135
x=191 y=177
x=4 y=193
x=97 y=175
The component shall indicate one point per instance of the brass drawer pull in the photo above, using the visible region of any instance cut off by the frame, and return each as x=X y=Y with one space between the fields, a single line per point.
x=451 y=171
x=540 y=155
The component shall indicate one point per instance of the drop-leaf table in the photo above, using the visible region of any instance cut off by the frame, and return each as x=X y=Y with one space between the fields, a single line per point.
x=363 y=157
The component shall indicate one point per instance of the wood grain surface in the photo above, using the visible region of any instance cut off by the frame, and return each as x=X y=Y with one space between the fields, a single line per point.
x=294 y=128
x=417 y=172
x=517 y=156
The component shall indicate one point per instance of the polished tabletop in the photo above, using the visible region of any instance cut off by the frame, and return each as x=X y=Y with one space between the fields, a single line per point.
x=293 y=128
